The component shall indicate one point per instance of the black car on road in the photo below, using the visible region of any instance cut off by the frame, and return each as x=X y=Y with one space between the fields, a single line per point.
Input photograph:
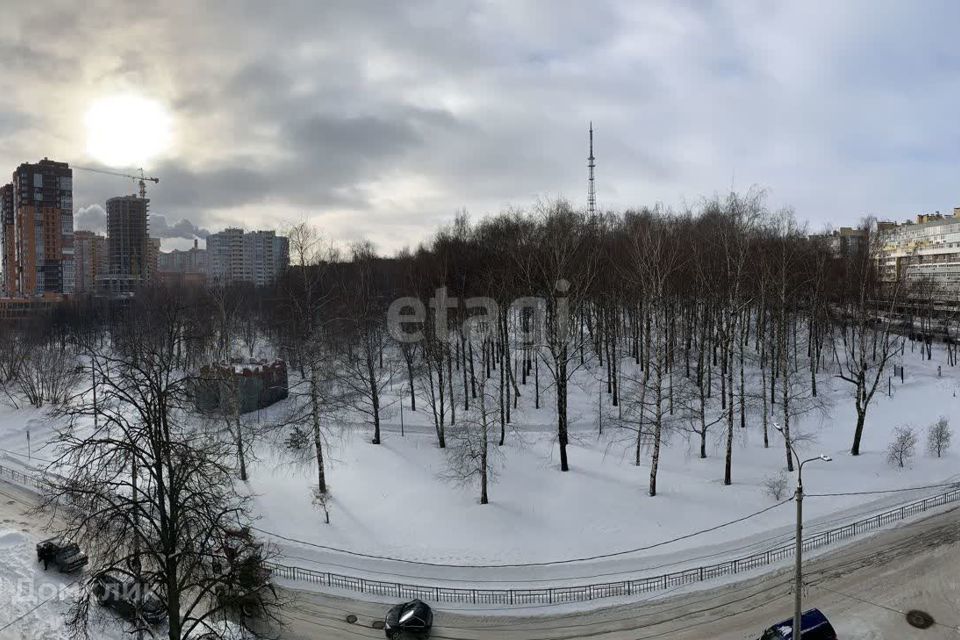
x=409 y=621
x=122 y=594
x=65 y=556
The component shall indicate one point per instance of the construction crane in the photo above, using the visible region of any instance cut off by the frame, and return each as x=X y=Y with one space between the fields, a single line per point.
x=141 y=179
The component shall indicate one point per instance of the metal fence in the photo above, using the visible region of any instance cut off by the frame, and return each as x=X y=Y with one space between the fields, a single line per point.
x=19 y=477
x=583 y=593
x=597 y=591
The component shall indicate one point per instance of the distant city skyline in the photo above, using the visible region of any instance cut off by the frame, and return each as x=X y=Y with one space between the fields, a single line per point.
x=383 y=121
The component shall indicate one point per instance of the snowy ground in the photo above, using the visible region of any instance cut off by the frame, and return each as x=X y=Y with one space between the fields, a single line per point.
x=388 y=500
x=23 y=586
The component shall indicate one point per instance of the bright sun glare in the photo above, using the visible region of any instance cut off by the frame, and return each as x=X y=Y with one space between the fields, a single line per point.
x=127 y=130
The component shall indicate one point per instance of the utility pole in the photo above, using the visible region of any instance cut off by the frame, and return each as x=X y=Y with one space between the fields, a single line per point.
x=798 y=566
x=798 y=573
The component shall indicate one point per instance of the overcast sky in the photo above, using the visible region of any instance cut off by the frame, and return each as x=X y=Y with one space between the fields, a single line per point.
x=383 y=119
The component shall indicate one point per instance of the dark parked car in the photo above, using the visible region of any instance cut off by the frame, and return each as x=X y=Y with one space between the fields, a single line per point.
x=813 y=623
x=65 y=556
x=411 y=620
x=117 y=592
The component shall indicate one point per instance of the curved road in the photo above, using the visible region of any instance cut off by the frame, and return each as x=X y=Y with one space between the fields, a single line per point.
x=865 y=588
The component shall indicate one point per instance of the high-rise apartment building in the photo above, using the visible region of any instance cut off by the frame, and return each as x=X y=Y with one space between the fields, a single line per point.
x=8 y=243
x=128 y=246
x=192 y=260
x=36 y=222
x=225 y=255
x=183 y=268
x=258 y=257
x=153 y=258
x=90 y=260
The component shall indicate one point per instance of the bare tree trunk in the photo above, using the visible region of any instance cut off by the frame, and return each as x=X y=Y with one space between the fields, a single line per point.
x=658 y=417
x=453 y=399
x=562 y=408
x=374 y=395
x=785 y=388
x=315 y=423
x=728 y=378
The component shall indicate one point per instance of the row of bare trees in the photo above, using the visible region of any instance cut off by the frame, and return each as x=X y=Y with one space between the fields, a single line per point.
x=701 y=323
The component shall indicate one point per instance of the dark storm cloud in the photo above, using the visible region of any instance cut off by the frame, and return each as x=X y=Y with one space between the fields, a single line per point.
x=387 y=117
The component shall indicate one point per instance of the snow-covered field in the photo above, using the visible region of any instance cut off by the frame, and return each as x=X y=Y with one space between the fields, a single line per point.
x=389 y=500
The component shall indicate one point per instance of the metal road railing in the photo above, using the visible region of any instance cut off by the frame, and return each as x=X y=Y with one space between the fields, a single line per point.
x=19 y=477
x=597 y=591
x=587 y=592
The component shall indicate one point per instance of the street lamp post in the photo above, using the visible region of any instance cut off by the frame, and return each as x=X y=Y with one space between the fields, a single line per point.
x=798 y=573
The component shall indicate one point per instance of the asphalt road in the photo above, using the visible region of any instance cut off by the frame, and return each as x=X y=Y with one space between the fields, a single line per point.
x=864 y=588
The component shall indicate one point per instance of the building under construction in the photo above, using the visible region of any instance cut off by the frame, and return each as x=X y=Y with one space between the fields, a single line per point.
x=128 y=245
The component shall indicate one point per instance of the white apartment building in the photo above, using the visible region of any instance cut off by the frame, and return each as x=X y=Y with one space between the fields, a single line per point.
x=257 y=257
x=928 y=248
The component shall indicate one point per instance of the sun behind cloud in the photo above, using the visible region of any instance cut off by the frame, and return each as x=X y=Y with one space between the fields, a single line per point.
x=128 y=130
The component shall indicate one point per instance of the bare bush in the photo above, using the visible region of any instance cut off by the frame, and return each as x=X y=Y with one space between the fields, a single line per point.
x=903 y=447
x=939 y=436
x=776 y=486
x=47 y=375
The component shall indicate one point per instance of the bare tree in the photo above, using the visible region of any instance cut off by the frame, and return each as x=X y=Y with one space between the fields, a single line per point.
x=13 y=351
x=903 y=446
x=559 y=265
x=147 y=489
x=776 y=485
x=305 y=324
x=47 y=374
x=939 y=436
x=654 y=258
x=223 y=384
x=866 y=343
x=471 y=456
x=366 y=370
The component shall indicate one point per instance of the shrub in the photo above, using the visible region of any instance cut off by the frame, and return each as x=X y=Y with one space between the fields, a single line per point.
x=776 y=486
